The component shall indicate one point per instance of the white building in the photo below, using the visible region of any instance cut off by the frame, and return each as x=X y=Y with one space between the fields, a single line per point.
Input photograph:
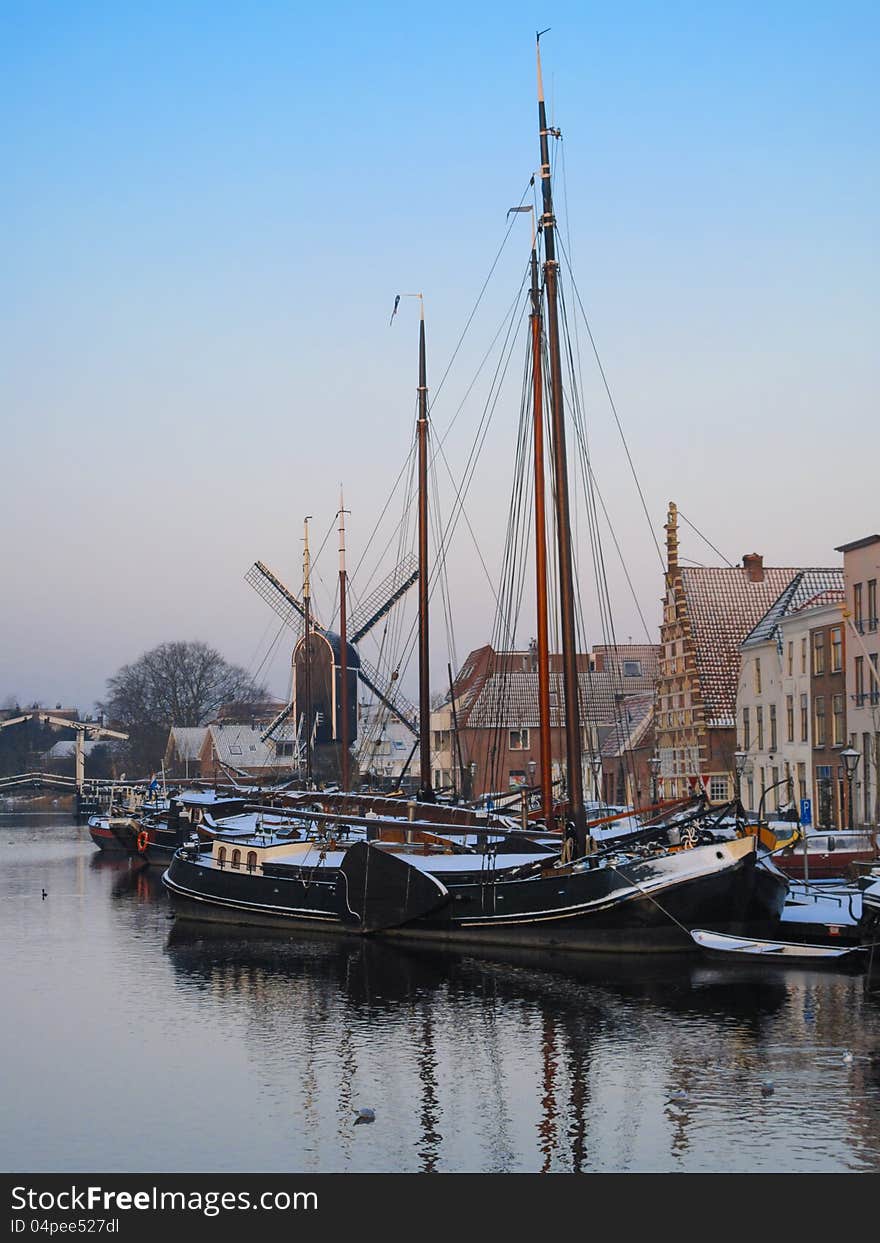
x=773 y=708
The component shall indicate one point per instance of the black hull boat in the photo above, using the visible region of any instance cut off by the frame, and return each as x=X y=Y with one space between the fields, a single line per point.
x=618 y=904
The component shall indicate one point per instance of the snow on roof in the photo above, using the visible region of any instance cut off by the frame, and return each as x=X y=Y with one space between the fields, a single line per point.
x=808 y=589
x=239 y=746
x=187 y=740
x=724 y=605
x=637 y=713
x=510 y=700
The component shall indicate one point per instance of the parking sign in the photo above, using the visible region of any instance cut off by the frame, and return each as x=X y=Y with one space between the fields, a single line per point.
x=806 y=811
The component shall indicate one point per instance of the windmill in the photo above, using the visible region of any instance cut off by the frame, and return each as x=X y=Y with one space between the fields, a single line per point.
x=323 y=659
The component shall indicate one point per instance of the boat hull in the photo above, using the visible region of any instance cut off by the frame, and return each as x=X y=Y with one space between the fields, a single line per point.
x=641 y=906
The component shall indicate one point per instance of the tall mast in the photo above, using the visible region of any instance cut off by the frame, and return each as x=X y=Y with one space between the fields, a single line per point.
x=560 y=465
x=307 y=647
x=426 y=791
x=343 y=648
x=541 y=546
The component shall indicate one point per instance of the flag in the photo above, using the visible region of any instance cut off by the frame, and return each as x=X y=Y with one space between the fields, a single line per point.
x=394 y=312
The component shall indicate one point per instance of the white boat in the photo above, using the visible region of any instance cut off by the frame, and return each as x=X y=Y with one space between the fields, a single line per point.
x=719 y=944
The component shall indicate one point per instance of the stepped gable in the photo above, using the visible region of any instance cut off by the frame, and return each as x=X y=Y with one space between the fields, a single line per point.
x=724 y=604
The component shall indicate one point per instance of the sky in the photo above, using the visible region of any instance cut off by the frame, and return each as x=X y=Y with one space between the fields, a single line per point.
x=209 y=208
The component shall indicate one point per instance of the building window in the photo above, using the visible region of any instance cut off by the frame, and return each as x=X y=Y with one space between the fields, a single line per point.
x=789 y=718
x=757 y=675
x=802 y=779
x=517 y=778
x=839 y=725
x=284 y=748
x=875 y=684
x=836 y=649
x=818 y=653
x=791 y=658
x=860 y=681
x=872 y=604
x=759 y=719
x=519 y=740
x=718 y=789
x=819 y=721
x=747 y=730
x=805 y=719
x=441 y=739
x=750 y=786
x=773 y=727
x=857 y=608
x=632 y=668
x=804 y=654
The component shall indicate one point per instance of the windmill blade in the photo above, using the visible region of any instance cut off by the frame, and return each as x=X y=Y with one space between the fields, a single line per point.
x=385 y=596
x=272 y=590
x=282 y=716
x=391 y=698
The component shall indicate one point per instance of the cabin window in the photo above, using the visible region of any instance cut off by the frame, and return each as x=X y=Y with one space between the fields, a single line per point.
x=251 y=860
x=519 y=740
x=221 y=856
x=236 y=858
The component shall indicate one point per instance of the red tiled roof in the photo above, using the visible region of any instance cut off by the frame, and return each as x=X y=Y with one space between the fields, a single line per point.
x=724 y=605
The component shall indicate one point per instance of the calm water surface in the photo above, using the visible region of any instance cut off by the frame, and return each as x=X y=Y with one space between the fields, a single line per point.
x=133 y=1042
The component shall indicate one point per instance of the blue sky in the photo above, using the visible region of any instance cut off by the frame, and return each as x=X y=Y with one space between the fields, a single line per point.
x=208 y=210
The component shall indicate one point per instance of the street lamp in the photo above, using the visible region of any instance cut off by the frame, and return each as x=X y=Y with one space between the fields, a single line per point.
x=850 y=759
x=740 y=760
x=654 y=764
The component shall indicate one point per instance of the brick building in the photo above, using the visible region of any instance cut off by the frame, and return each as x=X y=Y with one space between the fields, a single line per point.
x=707 y=613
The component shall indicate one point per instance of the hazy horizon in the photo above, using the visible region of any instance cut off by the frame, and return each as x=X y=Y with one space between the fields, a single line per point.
x=209 y=213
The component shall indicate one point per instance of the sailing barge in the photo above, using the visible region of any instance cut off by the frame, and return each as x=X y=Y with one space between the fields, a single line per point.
x=500 y=887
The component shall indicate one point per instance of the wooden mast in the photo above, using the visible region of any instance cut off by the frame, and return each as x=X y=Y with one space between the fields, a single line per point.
x=574 y=774
x=343 y=650
x=426 y=790
x=541 y=547
x=307 y=648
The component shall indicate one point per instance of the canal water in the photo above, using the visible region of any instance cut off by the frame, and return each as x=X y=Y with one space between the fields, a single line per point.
x=134 y=1043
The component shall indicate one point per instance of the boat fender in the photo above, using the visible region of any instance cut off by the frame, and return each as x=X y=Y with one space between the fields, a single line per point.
x=143 y=840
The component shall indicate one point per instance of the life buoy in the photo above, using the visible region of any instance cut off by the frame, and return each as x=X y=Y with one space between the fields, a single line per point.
x=143 y=840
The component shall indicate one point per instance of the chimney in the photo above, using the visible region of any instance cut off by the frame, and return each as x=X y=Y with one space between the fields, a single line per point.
x=753 y=564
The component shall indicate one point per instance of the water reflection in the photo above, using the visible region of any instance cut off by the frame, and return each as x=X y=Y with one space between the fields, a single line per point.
x=576 y=1015
x=261 y=1047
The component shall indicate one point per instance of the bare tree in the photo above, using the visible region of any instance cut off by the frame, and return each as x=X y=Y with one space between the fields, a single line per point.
x=181 y=683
